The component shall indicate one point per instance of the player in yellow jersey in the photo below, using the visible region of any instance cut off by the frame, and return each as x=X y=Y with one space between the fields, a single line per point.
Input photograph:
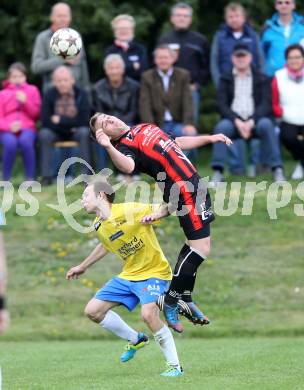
x=145 y=276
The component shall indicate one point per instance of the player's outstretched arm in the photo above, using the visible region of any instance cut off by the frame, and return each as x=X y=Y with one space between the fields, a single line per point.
x=97 y=254
x=124 y=163
x=188 y=142
x=162 y=212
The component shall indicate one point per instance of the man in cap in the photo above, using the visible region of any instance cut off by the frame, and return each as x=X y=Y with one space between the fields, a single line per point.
x=244 y=101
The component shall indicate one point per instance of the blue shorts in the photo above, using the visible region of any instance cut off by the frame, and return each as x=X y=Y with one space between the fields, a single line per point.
x=130 y=293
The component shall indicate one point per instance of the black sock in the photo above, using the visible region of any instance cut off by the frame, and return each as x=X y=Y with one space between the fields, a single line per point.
x=184 y=274
x=187 y=294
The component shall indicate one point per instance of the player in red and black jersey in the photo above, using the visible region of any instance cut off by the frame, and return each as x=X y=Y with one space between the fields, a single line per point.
x=150 y=150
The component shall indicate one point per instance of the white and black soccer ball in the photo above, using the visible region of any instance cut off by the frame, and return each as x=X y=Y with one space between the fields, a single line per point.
x=66 y=43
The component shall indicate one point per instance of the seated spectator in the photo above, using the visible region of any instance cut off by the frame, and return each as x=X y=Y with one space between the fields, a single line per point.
x=244 y=101
x=133 y=53
x=236 y=30
x=285 y=28
x=288 y=97
x=65 y=115
x=192 y=50
x=165 y=95
x=44 y=62
x=115 y=95
x=19 y=110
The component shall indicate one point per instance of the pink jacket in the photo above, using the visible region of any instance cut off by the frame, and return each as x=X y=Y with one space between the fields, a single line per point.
x=12 y=110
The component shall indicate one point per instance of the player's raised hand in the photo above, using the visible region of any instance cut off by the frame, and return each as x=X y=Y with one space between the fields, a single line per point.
x=75 y=272
x=221 y=138
x=102 y=138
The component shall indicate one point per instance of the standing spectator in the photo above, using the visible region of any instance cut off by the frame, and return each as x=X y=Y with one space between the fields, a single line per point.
x=165 y=95
x=286 y=27
x=19 y=110
x=65 y=115
x=115 y=95
x=133 y=53
x=287 y=101
x=244 y=100
x=44 y=62
x=192 y=50
x=236 y=30
x=4 y=317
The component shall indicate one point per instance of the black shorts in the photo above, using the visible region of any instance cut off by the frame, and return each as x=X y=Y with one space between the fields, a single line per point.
x=196 y=199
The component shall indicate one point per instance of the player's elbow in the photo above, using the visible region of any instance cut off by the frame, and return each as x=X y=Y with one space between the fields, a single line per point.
x=129 y=167
x=128 y=170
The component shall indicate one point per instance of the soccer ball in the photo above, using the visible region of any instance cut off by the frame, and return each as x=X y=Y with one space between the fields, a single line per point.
x=66 y=43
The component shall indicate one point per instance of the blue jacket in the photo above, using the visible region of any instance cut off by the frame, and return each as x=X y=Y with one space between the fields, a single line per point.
x=274 y=41
x=222 y=47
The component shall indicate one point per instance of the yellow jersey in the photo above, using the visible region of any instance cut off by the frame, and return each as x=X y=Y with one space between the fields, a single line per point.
x=136 y=244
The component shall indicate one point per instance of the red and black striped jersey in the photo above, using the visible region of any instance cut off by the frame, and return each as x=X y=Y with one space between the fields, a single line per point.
x=155 y=152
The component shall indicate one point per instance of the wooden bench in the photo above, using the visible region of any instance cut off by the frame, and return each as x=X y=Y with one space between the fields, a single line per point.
x=66 y=144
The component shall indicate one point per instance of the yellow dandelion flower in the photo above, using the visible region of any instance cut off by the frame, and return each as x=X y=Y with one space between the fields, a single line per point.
x=49 y=273
x=61 y=270
x=62 y=253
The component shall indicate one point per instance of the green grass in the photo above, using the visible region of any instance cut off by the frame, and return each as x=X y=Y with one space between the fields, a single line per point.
x=251 y=287
x=246 y=363
x=252 y=284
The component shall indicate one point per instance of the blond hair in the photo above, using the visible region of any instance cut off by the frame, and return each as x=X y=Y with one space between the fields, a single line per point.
x=118 y=18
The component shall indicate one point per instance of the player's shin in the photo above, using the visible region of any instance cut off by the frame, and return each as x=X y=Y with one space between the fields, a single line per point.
x=115 y=324
x=184 y=275
x=165 y=340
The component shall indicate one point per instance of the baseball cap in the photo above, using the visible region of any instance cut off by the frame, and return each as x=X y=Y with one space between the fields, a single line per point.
x=240 y=49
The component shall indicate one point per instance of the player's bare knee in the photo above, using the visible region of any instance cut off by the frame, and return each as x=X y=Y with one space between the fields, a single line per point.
x=148 y=314
x=202 y=246
x=95 y=315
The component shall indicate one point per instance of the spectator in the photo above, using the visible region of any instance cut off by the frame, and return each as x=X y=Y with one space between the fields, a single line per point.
x=44 y=62
x=165 y=95
x=192 y=50
x=19 y=110
x=115 y=95
x=4 y=316
x=286 y=27
x=65 y=115
x=288 y=97
x=244 y=100
x=236 y=30
x=133 y=53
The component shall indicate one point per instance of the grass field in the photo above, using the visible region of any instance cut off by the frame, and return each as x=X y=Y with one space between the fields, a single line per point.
x=251 y=287
x=245 y=363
